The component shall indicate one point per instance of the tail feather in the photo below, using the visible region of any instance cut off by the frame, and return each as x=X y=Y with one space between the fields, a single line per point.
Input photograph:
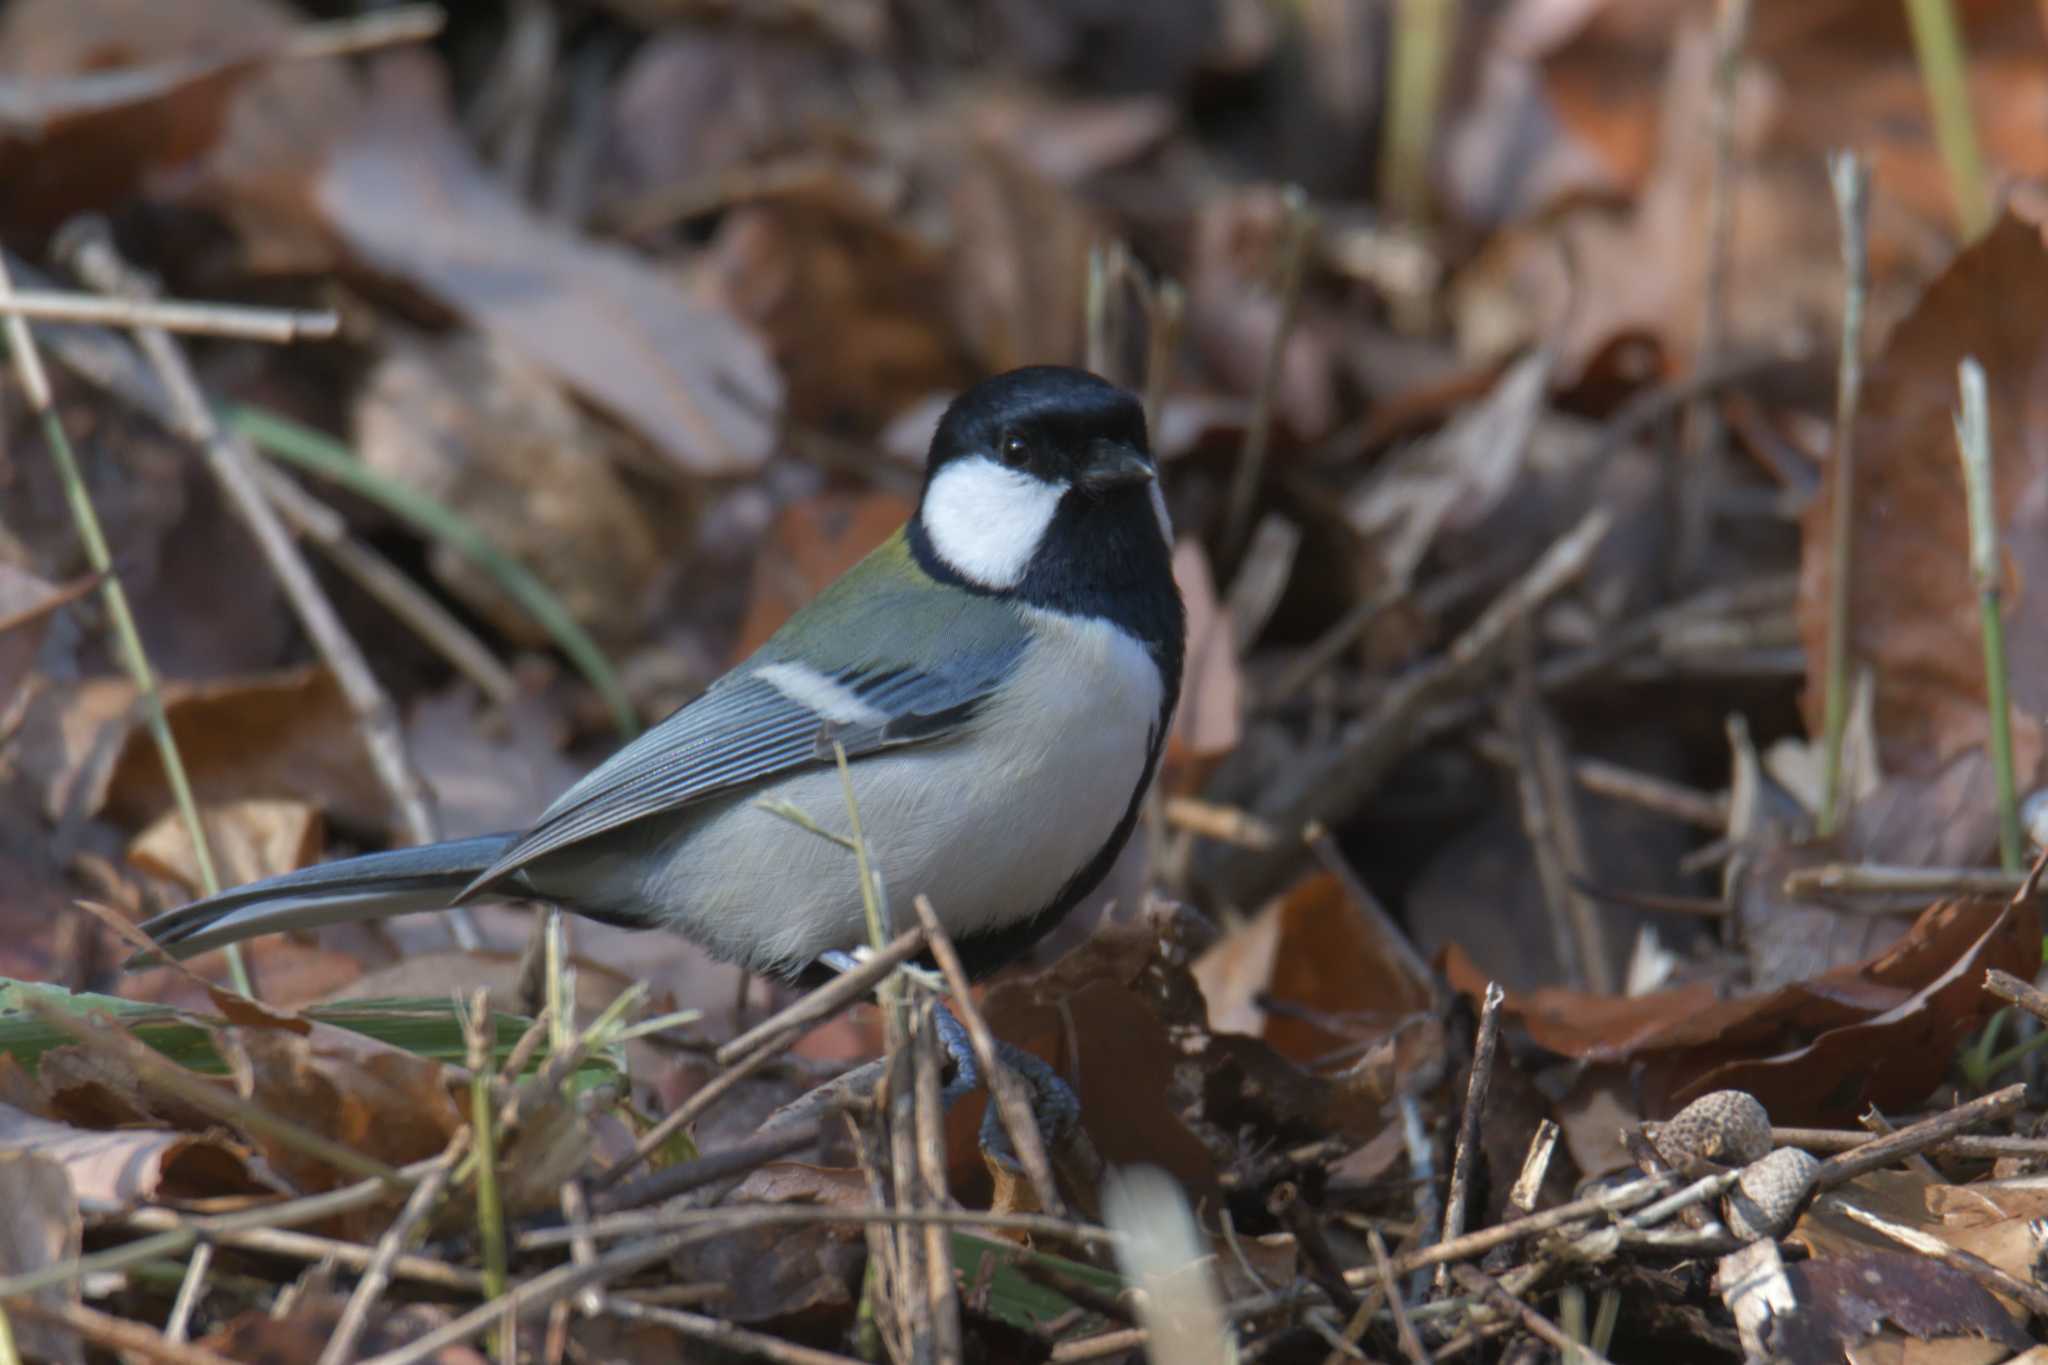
x=374 y=886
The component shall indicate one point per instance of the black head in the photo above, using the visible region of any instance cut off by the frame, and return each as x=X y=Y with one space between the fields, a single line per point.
x=1041 y=487
x=1049 y=421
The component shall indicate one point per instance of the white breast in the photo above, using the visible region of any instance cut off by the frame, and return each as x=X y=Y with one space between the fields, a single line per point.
x=991 y=826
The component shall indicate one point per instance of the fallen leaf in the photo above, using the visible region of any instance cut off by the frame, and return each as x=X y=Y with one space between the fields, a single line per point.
x=492 y=768
x=1843 y=1300
x=1881 y=1032
x=286 y=734
x=857 y=309
x=1913 y=607
x=127 y=1167
x=534 y=474
x=1019 y=250
x=250 y=840
x=1234 y=310
x=403 y=193
x=26 y=606
x=41 y=1230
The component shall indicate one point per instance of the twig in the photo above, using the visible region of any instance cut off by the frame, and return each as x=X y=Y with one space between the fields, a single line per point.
x=1878 y=1125
x=1404 y=1328
x=1849 y=175
x=942 y=1295
x=320 y=454
x=1707 y=810
x=1324 y=1266
x=1965 y=1147
x=1225 y=824
x=1976 y=1267
x=1938 y=40
x=483 y=1122
x=1006 y=1091
x=723 y=1336
x=1881 y=1152
x=763 y=1052
x=116 y=1335
x=1576 y=1352
x=355 y=1316
x=535 y=1294
x=398 y=593
x=233 y=467
x=709 y=1169
x=199 y=319
x=1327 y=789
x=1611 y=1201
x=1474 y=1113
x=1699 y=447
x=190 y=1290
x=1849 y=879
x=2025 y=994
x=695 y=1224
x=1551 y=827
x=802 y=1015
x=1251 y=461
x=390 y=27
x=1973 y=439
x=35 y=383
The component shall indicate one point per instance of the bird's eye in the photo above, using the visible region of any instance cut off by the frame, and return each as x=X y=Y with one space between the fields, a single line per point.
x=1016 y=451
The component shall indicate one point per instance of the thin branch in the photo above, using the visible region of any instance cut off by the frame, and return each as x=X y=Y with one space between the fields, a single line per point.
x=198 y=319
x=1849 y=175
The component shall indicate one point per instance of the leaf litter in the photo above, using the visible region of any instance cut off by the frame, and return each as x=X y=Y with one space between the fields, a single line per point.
x=1501 y=672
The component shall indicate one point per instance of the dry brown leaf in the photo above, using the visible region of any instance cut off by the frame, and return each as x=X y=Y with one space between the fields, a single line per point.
x=41 y=1229
x=286 y=734
x=1913 y=607
x=1234 y=310
x=26 y=605
x=1019 y=251
x=128 y=1167
x=90 y=107
x=856 y=308
x=1881 y=1032
x=1313 y=950
x=250 y=840
x=1843 y=1300
x=532 y=471
x=403 y=192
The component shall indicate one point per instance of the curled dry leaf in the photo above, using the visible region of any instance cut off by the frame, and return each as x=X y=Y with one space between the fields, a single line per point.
x=1913 y=607
x=127 y=1167
x=1846 y=1300
x=1156 y=1083
x=1881 y=1032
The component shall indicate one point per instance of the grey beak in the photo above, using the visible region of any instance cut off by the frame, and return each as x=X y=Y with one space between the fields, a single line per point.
x=1113 y=465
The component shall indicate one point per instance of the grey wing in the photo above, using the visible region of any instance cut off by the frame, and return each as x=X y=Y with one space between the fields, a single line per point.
x=747 y=728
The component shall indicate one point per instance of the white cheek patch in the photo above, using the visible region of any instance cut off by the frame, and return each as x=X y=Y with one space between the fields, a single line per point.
x=986 y=521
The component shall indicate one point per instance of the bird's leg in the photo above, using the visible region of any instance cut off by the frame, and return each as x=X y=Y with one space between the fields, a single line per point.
x=1053 y=1102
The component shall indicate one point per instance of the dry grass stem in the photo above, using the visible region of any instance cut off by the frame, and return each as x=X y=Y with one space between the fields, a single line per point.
x=117 y=1336
x=723 y=1336
x=1388 y=1282
x=1576 y=1352
x=1689 y=805
x=800 y=1016
x=198 y=319
x=377 y=1274
x=1849 y=176
x=234 y=468
x=1251 y=461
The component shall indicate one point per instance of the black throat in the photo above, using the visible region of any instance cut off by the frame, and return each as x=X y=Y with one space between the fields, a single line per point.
x=1106 y=558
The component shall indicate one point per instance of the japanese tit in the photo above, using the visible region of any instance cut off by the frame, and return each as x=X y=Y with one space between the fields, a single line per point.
x=1000 y=674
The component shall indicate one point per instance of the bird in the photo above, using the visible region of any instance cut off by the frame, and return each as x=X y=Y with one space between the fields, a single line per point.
x=999 y=674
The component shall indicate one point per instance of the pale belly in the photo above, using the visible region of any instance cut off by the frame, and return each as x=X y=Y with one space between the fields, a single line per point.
x=990 y=826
